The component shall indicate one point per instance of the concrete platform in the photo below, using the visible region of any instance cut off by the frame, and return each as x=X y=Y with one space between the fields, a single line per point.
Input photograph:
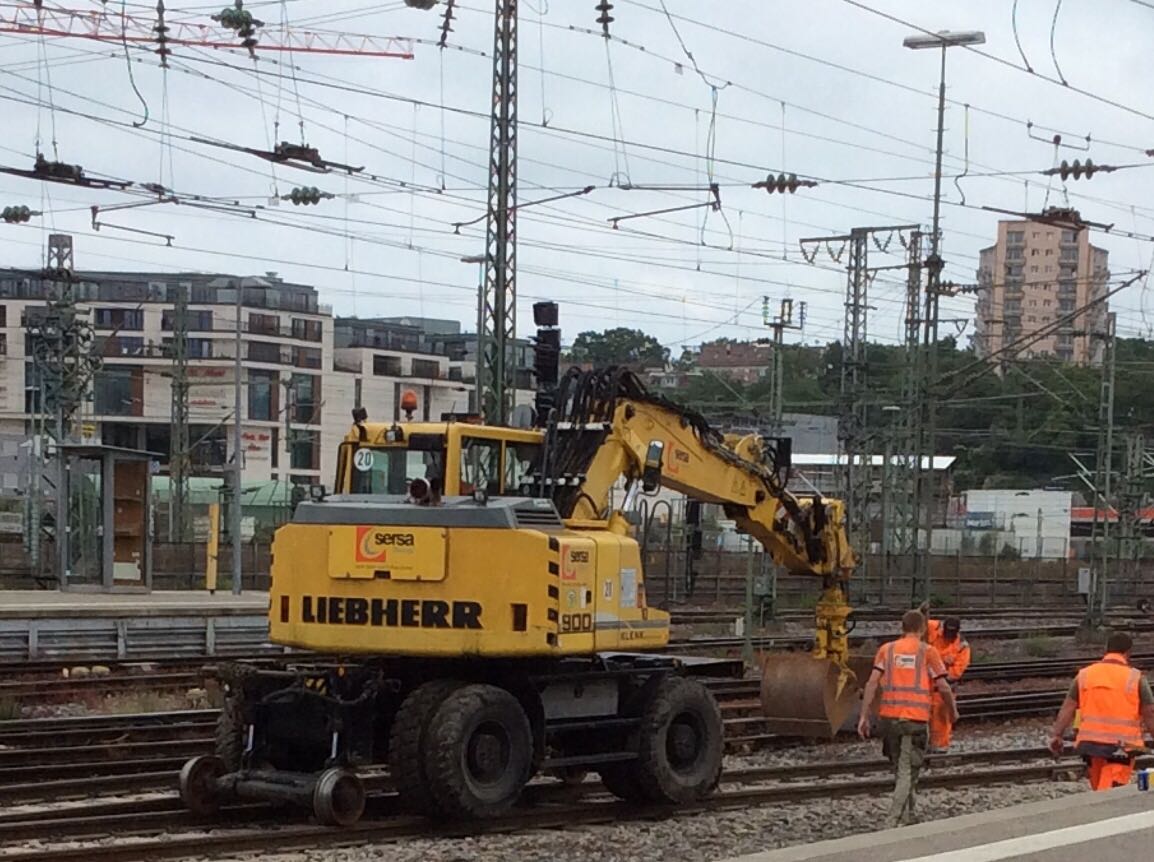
x=1114 y=826
x=82 y=626
x=35 y=604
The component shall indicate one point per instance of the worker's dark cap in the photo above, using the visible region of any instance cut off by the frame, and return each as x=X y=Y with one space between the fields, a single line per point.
x=953 y=625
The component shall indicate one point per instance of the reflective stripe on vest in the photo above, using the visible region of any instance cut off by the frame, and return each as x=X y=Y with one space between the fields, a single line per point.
x=1110 y=704
x=906 y=691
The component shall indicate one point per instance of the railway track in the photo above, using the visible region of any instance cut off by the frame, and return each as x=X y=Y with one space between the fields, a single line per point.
x=159 y=830
x=74 y=758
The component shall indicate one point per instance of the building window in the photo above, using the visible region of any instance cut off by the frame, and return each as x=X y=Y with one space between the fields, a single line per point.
x=306 y=330
x=1033 y=252
x=1015 y=253
x=426 y=368
x=131 y=319
x=304 y=450
x=118 y=391
x=386 y=366
x=263 y=351
x=3 y=314
x=1049 y=252
x=262 y=395
x=195 y=321
x=1015 y=237
x=265 y=324
x=1069 y=254
x=119 y=345
x=1069 y=236
x=306 y=357
x=305 y=403
x=1034 y=268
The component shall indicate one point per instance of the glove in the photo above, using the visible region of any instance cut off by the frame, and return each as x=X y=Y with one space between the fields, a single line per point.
x=1056 y=745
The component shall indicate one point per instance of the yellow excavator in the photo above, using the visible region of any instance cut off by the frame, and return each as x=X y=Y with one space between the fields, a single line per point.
x=474 y=612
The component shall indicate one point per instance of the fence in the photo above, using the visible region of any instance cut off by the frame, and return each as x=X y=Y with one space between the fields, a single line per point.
x=722 y=566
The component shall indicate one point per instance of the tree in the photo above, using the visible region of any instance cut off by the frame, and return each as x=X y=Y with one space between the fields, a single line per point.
x=620 y=346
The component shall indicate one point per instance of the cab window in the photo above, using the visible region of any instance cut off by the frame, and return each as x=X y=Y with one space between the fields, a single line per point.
x=480 y=465
x=520 y=464
x=390 y=470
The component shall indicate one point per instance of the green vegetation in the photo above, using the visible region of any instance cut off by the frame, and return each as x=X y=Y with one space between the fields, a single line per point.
x=1041 y=646
x=1011 y=429
x=9 y=708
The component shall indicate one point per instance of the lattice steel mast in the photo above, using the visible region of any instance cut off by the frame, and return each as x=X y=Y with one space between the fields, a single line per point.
x=496 y=365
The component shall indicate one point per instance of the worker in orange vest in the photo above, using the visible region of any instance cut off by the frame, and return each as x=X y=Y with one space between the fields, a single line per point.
x=907 y=672
x=946 y=637
x=1115 y=702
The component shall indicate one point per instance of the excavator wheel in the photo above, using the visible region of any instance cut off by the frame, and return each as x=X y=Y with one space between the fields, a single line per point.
x=407 y=743
x=478 y=752
x=806 y=696
x=680 y=742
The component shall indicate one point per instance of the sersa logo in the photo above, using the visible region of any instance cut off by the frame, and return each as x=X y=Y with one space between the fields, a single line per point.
x=373 y=543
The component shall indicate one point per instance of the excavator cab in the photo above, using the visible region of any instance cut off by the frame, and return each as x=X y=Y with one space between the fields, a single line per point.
x=810 y=694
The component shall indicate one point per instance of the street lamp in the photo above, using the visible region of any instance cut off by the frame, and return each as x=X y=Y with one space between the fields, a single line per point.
x=941 y=40
x=480 y=260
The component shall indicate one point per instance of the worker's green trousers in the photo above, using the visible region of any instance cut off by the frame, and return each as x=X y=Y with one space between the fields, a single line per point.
x=904 y=743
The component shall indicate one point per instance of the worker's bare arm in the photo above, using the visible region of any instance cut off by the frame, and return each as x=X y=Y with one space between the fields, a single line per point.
x=1062 y=724
x=1148 y=718
x=867 y=701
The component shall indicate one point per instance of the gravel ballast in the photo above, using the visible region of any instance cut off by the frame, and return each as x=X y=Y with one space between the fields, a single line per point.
x=713 y=836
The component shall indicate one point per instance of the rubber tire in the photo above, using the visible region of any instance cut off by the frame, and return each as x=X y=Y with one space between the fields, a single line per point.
x=658 y=778
x=197 y=780
x=455 y=792
x=338 y=798
x=407 y=743
x=230 y=733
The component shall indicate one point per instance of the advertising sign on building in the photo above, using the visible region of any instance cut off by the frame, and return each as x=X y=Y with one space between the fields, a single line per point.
x=210 y=391
x=981 y=520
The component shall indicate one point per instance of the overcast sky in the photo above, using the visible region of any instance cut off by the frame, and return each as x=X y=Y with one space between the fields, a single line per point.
x=853 y=103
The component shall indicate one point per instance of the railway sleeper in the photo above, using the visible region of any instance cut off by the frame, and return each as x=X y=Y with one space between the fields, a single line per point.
x=461 y=739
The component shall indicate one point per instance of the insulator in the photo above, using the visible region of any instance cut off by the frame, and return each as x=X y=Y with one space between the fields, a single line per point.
x=604 y=19
x=16 y=215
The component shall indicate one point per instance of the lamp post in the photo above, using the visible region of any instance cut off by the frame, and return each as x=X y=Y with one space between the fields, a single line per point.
x=933 y=264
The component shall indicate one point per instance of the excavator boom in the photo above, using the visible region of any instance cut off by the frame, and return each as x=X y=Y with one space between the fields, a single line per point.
x=608 y=425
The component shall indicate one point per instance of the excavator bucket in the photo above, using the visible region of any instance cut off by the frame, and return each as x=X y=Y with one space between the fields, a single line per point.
x=806 y=696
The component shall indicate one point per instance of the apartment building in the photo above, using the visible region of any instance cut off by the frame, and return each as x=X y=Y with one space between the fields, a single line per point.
x=743 y=361
x=303 y=371
x=1035 y=275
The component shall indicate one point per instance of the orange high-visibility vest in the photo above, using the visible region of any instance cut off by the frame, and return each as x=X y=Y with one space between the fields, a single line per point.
x=955 y=654
x=1110 y=703
x=906 y=685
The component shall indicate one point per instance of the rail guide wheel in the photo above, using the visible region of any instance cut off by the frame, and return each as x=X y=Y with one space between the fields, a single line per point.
x=338 y=798
x=478 y=752
x=198 y=790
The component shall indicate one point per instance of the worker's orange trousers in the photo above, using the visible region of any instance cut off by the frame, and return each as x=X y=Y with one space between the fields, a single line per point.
x=1105 y=775
x=941 y=728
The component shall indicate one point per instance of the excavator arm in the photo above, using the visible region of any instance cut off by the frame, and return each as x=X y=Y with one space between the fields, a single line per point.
x=608 y=426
